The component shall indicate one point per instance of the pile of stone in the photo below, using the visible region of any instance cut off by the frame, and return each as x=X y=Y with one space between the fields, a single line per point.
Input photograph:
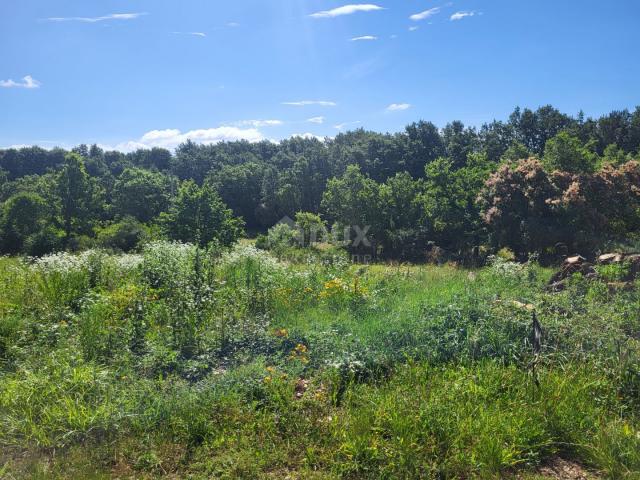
x=580 y=265
x=631 y=259
x=571 y=266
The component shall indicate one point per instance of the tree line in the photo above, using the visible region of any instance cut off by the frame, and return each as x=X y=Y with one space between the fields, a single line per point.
x=540 y=179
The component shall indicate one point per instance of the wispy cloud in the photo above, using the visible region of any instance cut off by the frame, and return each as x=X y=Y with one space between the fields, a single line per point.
x=341 y=126
x=306 y=103
x=233 y=24
x=195 y=34
x=364 y=38
x=461 y=15
x=112 y=16
x=258 y=123
x=398 y=107
x=27 y=82
x=414 y=28
x=308 y=136
x=424 y=15
x=346 y=10
x=317 y=120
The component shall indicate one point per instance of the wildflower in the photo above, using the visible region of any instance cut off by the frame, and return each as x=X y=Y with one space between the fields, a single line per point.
x=281 y=332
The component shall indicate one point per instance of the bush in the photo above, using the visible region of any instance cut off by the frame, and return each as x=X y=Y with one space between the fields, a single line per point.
x=46 y=241
x=282 y=236
x=125 y=235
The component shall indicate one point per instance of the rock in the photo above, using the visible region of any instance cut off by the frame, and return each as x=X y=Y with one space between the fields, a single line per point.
x=633 y=259
x=571 y=266
x=609 y=258
x=587 y=269
x=577 y=259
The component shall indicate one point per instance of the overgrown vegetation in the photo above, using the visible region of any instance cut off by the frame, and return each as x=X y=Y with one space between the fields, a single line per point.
x=141 y=336
x=215 y=363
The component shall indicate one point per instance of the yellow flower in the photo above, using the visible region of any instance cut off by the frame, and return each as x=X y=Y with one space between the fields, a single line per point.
x=281 y=332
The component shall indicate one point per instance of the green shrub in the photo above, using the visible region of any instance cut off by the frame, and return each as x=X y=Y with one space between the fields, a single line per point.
x=125 y=235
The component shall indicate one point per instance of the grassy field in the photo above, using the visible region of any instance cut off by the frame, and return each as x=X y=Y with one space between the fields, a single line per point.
x=181 y=363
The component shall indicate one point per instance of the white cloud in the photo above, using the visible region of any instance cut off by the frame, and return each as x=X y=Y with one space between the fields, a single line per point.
x=317 y=120
x=364 y=38
x=346 y=10
x=424 y=15
x=461 y=15
x=27 y=82
x=258 y=123
x=341 y=126
x=306 y=103
x=398 y=107
x=195 y=34
x=171 y=138
x=112 y=16
x=308 y=136
x=413 y=29
x=233 y=24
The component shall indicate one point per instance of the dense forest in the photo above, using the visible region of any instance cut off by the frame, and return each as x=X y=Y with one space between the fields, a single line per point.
x=542 y=181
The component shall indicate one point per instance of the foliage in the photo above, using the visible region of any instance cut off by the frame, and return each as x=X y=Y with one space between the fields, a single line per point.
x=410 y=193
x=279 y=238
x=312 y=228
x=141 y=194
x=125 y=235
x=23 y=217
x=317 y=368
x=529 y=210
x=198 y=215
x=566 y=153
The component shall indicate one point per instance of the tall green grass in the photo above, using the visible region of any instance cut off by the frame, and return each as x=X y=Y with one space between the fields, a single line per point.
x=187 y=362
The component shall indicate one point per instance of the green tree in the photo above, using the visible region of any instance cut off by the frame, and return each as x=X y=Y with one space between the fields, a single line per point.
x=449 y=202
x=78 y=195
x=404 y=233
x=353 y=201
x=515 y=153
x=422 y=144
x=614 y=155
x=141 y=194
x=460 y=142
x=566 y=153
x=198 y=215
x=22 y=216
x=240 y=187
x=312 y=227
x=534 y=128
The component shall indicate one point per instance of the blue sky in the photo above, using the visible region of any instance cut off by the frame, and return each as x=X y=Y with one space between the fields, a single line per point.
x=155 y=72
